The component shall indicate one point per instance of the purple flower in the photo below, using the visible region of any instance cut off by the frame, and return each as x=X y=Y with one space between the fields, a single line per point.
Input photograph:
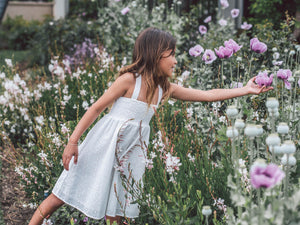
x=224 y=52
x=125 y=10
x=207 y=19
x=224 y=3
x=233 y=45
x=246 y=26
x=265 y=176
x=262 y=79
x=223 y=22
x=236 y=85
x=257 y=46
x=209 y=56
x=196 y=50
x=284 y=75
x=235 y=13
x=85 y=219
x=299 y=82
x=202 y=29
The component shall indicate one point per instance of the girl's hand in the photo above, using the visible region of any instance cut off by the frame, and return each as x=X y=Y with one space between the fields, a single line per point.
x=70 y=151
x=256 y=89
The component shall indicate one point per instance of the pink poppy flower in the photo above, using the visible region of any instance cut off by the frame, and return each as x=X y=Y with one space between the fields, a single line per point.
x=223 y=22
x=224 y=3
x=209 y=56
x=224 y=52
x=257 y=46
x=246 y=26
x=262 y=79
x=284 y=75
x=265 y=176
x=207 y=19
x=125 y=10
x=233 y=45
x=202 y=29
x=235 y=13
x=196 y=50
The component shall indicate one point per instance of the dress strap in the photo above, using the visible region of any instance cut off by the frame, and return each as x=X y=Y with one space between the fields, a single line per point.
x=160 y=93
x=137 y=87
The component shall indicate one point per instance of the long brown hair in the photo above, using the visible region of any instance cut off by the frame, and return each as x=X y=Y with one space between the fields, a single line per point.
x=148 y=50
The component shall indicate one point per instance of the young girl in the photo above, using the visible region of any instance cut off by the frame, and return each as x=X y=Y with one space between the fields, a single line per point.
x=91 y=180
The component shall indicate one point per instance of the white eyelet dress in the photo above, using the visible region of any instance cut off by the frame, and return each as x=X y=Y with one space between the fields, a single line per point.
x=112 y=147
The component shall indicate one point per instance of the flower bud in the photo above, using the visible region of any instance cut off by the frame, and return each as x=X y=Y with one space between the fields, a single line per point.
x=272 y=103
x=239 y=124
x=273 y=139
x=206 y=210
x=232 y=132
x=232 y=111
x=288 y=147
x=291 y=161
x=283 y=128
x=251 y=130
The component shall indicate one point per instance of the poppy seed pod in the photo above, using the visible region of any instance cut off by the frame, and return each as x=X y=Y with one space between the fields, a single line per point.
x=239 y=124
x=260 y=130
x=251 y=130
x=206 y=210
x=232 y=132
x=232 y=111
x=288 y=147
x=273 y=139
x=277 y=150
x=283 y=128
x=272 y=103
x=291 y=161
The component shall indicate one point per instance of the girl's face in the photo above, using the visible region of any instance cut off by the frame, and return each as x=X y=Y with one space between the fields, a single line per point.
x=167 y=63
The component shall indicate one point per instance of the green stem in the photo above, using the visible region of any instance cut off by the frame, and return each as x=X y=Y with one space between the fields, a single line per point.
x=286 y=177
x=260 y=209
x=222 y=79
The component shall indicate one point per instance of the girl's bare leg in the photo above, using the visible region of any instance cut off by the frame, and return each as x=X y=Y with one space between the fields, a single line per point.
x=111 y=219
x=45 y=209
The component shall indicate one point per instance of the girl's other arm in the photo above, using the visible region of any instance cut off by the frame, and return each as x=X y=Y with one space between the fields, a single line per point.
x=117 y=89
x=189 y=94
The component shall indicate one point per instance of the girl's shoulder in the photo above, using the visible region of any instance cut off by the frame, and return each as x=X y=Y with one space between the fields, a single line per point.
x=127 y=77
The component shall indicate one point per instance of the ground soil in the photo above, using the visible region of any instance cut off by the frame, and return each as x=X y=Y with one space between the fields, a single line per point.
x=12 y=196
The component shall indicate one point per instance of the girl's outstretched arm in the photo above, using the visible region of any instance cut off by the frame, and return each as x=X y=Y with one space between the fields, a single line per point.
x=189 y=94
x=117 y=89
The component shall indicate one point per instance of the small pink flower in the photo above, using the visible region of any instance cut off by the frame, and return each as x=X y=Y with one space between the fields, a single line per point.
x=246 y=26
x=235 y=13
x=202 y=29
x=299 y=82
x=207 y=19
x=125 y=10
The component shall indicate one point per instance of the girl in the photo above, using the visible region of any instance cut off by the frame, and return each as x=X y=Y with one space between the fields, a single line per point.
x=91 y=180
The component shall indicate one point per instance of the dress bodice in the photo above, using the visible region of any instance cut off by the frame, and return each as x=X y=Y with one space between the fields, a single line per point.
x=130 y=108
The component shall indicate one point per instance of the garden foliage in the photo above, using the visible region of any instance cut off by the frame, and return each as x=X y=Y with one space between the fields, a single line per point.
x=194 y=158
